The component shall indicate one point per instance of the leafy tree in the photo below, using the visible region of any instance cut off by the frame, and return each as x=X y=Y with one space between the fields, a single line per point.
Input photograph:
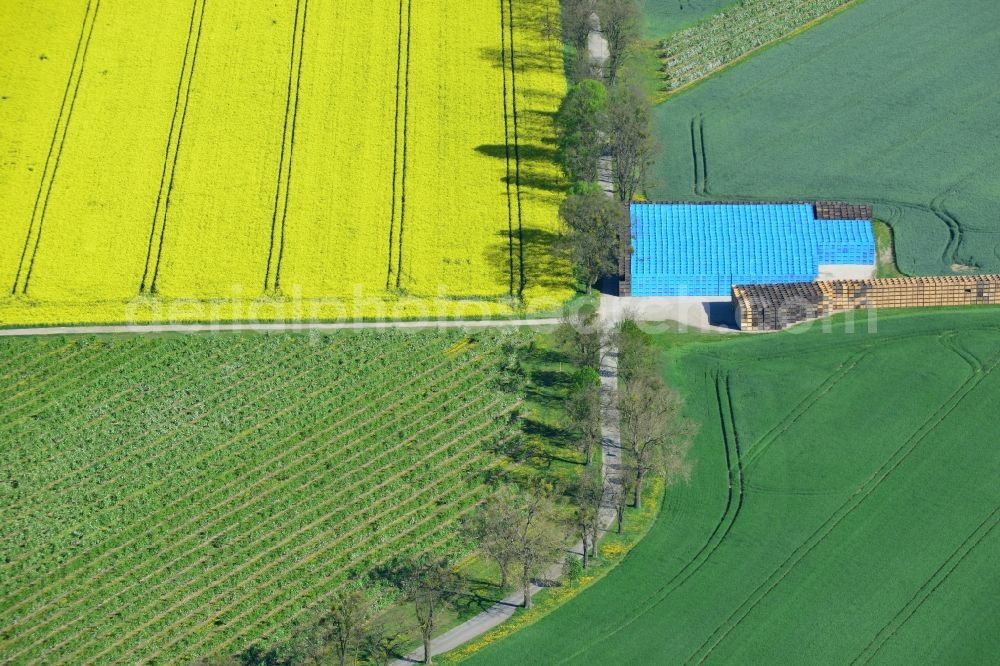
x=581 y=127
x=620 y=22
x=632 y=141
x=633 y=346
x=573 y=570
x=595 y=226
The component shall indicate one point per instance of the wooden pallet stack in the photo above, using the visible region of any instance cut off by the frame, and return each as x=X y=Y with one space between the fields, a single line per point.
x=837 y=210
x=771 y=307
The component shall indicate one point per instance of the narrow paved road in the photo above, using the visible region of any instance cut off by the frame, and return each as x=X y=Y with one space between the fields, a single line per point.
x=610 y=444
x=272 y=327
x=611 y=470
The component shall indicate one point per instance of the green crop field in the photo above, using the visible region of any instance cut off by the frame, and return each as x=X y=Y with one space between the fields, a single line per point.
x=847 y=513
x=892 y=102
x=163 y=498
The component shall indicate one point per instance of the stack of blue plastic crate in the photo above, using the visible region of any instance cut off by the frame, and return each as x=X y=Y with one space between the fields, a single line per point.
x=703 y=249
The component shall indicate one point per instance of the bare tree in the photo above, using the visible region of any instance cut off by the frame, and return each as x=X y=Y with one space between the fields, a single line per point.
x=380 y=645
x=632 y=142
x=539 y=539
x=654 y=432
x=583 y=412
x=576 y=23
x=344 y=625
x=526 y=532
x=431 y=585
x=494 y=527
x=621 y=494
x=620 y=21
x=590 y=497
x=583 y=336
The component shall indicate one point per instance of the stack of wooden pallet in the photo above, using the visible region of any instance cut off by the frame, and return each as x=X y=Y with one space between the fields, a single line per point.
x=771 y=307
x=836 y=210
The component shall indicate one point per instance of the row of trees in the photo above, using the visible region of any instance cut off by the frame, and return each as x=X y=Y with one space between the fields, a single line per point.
x=602 y=115
x=618 y=20
x=655 y=436
x=523 y=531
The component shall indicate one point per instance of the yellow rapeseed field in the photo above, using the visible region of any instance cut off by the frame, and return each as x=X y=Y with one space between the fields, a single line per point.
x=213 y=159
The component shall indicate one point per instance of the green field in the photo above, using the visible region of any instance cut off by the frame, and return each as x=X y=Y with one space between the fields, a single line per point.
x=892 y=102
x=846 y=513
x=163 y=498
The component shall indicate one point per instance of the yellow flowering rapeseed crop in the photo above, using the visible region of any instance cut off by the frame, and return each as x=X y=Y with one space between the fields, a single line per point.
x=202 y=159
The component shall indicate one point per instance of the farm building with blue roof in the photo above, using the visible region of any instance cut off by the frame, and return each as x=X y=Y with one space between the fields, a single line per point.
x=694 y=249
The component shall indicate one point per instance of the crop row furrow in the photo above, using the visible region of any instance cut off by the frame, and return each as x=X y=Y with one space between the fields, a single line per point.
x=36 y=359
x=237 y=474
x=246 y=513
x=130 y=452
x=90 y=414
x=194 y=597
x=78 y=371
x=254 y=599
x=438 y=537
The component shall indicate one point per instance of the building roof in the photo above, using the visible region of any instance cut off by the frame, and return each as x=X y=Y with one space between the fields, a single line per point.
x=703 y=249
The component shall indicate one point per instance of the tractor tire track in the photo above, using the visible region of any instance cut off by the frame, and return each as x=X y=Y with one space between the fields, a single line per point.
x=950 y=341
x=159 y=225
x=509 y=180
x=929 y=587
x=517 y=144
x=276 y=251
x=804 y=406
x=399 y=149
x=698 y=159
x=704 y=154
x=31 y=242
x=846 y=509
x=954 y=229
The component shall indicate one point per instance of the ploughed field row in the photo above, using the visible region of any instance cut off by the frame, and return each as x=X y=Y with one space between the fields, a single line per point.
x=166 y=498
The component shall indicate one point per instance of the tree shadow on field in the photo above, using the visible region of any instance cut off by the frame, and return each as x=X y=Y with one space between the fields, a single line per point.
x=547 y=179
x=545 y=260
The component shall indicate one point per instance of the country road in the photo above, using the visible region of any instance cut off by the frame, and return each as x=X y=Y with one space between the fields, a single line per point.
x=287 y=327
